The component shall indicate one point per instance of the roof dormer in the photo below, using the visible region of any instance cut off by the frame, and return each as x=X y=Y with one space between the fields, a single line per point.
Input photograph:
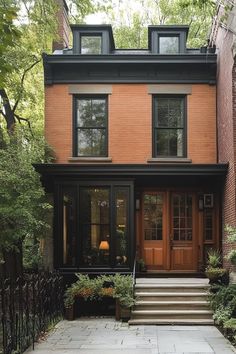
x=92 y=39
x=167 y=39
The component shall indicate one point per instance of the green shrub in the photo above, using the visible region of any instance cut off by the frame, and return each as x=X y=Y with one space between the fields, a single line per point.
x=93 y=289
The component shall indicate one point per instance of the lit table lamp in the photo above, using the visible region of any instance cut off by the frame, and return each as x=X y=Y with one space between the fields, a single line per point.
x=104 y=245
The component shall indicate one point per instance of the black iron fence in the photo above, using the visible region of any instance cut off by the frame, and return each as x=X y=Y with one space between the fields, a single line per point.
x=29 y=305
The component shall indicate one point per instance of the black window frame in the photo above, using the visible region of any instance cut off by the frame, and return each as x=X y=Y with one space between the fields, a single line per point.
x=75 y=127
x=168 y=35
x=154 y=128
x=91 y=34
x=76 y=185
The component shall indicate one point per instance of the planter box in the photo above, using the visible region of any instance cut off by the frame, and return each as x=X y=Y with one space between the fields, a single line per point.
x=103 y=307
x=70 y=313
x=122 y=313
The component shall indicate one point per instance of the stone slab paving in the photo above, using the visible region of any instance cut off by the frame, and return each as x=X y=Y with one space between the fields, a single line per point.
x=106 y=336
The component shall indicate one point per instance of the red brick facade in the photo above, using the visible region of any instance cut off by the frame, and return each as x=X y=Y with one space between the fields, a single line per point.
x=226 y=114
x=130 y=123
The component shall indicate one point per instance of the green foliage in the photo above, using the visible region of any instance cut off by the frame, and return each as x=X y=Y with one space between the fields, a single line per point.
x=223 y=303
x=23 y=207
x=130 y=19
x=213 y=258
x=9 y=35
x=231 y=239
x=93 y=289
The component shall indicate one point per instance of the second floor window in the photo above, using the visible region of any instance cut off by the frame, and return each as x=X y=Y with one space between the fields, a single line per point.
x=169 y=126
x=91 y=126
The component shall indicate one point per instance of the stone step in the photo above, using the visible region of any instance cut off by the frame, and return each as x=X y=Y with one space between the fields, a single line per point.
x=174 y=314
x=175 y=305
x=170 y=296
x=171 y=321
x=171 y=287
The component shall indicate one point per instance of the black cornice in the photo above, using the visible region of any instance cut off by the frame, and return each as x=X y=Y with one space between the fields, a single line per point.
x=140 y=68
x=133 y=169
x=125 y=59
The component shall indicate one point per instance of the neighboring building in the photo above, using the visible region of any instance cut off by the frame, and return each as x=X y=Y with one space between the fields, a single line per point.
x=224 y=35
x=135 y=139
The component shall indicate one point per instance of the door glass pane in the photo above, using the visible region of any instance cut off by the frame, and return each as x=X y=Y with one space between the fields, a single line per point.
x=95 y=225
x=208 y=224
x=68 y=227
x=121 y=236
x=153 y=213
x=182 y=216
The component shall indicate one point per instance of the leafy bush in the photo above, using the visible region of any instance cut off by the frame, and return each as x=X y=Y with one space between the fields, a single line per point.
x=94 y=289
x=214 y=258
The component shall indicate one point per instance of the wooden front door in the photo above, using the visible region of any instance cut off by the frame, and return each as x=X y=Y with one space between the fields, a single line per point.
x=169 y=231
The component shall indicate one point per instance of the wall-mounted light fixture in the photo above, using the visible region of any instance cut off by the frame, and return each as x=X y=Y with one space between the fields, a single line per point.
x=137 y=203
x=200 y=203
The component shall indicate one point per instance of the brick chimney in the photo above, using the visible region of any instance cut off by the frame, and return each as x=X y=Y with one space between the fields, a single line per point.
x=63 y=30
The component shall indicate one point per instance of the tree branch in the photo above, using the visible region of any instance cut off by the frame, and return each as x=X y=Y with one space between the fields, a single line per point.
x=20 y=119
x=22 y=83
x=9 y=114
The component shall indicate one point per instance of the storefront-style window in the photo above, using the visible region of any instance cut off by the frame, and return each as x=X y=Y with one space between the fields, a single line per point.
x=121 y=233
x=68 y=228
x=95 y=225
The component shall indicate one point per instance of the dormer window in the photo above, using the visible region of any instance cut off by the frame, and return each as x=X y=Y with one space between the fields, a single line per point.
x=91 y=44
x=167 y=39
x=168 y=44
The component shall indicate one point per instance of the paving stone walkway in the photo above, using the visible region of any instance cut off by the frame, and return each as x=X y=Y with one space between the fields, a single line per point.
x=106 y=336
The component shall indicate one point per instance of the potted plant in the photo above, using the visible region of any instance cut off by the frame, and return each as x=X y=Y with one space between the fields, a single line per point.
x=97 y=290
x=141 y=266
x=214 y=272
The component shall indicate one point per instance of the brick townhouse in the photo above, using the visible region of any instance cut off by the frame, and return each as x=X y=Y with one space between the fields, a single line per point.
x=134 y=133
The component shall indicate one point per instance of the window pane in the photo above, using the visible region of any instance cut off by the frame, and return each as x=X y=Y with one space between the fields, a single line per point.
x=162 y=112
x=175 y=142
x=68 y=228
x=121 y=205
x=162 y=142
x=169 y=142
x=153 y=211
x=92 y=142
x=182 y=218
x=91 y=44
x=168 y=45
x=91 y=113
x=95 y=225
x=176 y=113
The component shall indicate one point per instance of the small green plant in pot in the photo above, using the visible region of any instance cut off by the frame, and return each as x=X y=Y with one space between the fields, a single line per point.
x=214 y=272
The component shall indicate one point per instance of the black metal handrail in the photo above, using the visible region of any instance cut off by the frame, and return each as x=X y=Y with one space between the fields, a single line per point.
x=134 y=276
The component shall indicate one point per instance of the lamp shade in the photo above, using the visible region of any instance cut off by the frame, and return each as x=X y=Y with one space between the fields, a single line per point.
x=104 y=245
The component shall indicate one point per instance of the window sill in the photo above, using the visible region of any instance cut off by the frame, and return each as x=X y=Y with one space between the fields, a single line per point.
x=90 y=159
x=169 y=160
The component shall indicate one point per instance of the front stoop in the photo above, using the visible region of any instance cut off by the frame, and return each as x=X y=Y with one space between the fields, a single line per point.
x=171 y=303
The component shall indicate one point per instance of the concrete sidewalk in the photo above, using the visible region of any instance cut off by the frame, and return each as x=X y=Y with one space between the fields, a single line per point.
x=106 y=336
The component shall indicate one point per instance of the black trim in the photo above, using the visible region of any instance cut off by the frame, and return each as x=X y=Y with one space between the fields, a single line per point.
x=58 y=229
x=117 y=170
x=179 y=68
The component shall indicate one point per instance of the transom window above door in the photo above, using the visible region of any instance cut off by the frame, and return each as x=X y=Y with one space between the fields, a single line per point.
x=169 y=126
x=90 y=126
